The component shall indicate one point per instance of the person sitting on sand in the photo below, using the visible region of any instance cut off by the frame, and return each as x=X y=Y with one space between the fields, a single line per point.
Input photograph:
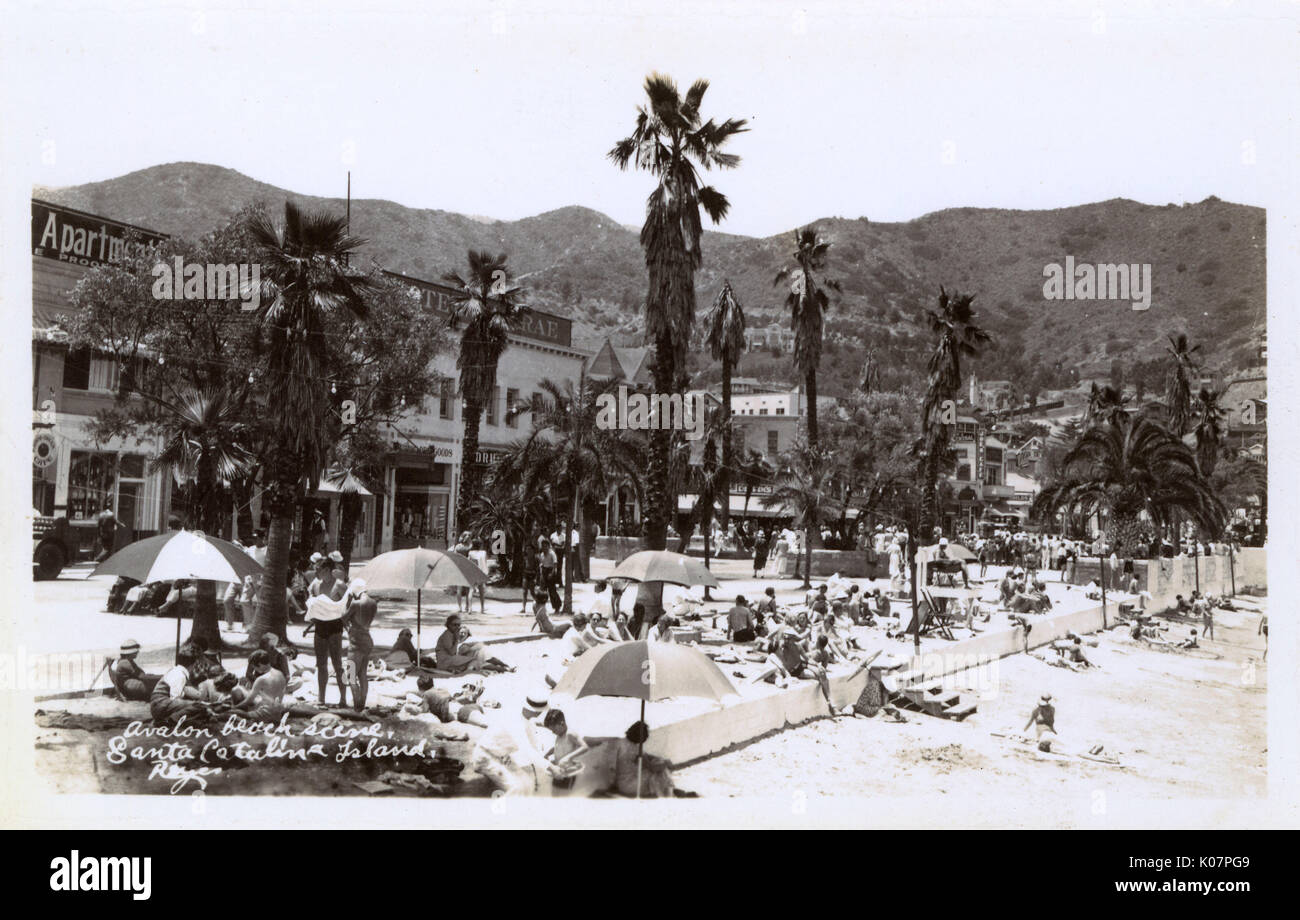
x=795 y=662
x=450 y=656
x=740 y=622
x=582 y=637
x=663 y=630
x=218 y=688
x=173 y=695
x=767 y=606
x=631 y=761
x=128 y=677
x=567 y=749
x=264 y=701
x=403 y=653
x=1043 y=719
x=1075 y=655
x=1006 y=589
x=1190 y=641
x=508 y=752
x=541 y=615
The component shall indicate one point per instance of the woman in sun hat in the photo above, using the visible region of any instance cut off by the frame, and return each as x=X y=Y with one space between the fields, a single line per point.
x=128 y=677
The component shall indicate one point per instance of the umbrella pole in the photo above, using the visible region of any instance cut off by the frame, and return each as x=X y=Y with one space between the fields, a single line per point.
x=178 y=628
x=640 y=752
x=417 y=627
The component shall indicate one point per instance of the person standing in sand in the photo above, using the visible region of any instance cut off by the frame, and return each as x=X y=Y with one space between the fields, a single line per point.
x=361 y=614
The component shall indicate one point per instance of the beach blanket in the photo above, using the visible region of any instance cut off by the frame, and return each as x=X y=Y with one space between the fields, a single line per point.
x=324 y=610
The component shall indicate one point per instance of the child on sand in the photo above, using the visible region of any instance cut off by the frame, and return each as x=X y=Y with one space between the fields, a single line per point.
x=1043 y=719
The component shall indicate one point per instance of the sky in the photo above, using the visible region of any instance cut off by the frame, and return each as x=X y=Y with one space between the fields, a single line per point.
x=507 y=109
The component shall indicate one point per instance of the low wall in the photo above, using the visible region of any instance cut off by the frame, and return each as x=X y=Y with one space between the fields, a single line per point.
x=1165 y=579
x=827 y=562
x=616 y=548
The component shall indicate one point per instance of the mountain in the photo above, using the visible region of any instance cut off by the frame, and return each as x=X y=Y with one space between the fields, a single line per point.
x=1207 y=265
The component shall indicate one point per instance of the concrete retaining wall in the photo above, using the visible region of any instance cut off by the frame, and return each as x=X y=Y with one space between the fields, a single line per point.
x=1165 y=579
x=849 y=563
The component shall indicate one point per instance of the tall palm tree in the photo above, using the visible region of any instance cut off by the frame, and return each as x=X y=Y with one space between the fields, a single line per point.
x=305 y=277
x=808 y=304
x=869 y=380
x=726 y=340
x=204 y=446
x=1183 y=365
x=669 y=139
x=1123 y=467
x=805 y=487
x=489 y=305
x=956 y=337
x=1211 y=422
x=569 y=448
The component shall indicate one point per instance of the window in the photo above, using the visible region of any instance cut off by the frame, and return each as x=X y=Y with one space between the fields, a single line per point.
x=963 y=472
x=512 y=397
x=76 y=370
x=91 y=479
x=490 y=410
x=992 y=476
x=780 y=410
x=773 y=442
x=446 y=391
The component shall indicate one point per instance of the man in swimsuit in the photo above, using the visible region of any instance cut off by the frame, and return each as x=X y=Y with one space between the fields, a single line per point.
x=361 y=613
x=740 y=622
x=265 y=701
x=172 y=695
x=1043 y=718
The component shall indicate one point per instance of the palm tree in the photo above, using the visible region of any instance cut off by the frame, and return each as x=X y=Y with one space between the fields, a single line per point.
x=1103 y=403
x=956 y=336
x=805 y=487
x=726 y=340
x=305 y=277
x=669 y=139
x=1210 y=426
x=869 y=380
x=1123 y=467
x=204 y=448
x=569 y=448
x=489 y=305
x=1178 y=388
x=808 y=304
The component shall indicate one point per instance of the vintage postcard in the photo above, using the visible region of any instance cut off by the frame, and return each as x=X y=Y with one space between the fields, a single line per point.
x=649 y=414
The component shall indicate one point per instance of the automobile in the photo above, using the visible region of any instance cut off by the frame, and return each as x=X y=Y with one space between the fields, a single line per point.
x=53 y=546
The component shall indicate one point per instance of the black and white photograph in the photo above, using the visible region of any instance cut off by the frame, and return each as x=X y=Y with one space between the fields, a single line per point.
x=578 y=414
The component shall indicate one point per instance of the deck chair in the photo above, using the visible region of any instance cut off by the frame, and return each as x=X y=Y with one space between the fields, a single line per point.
x=934 y=620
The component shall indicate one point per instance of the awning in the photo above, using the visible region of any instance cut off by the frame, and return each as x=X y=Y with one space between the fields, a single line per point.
x=687 y=501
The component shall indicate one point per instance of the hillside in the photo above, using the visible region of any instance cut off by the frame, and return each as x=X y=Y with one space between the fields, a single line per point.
x=1208 y=271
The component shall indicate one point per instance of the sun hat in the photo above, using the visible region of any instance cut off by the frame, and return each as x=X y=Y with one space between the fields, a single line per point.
x=315 y=558
x=1045 y=698
x=535 y=704
x=357 y=587
x=130 y=647
x=336 y=556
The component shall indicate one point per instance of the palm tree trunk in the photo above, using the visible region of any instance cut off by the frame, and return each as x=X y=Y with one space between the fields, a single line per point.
x=471 y=474
x=282 y=498
x=658 y=494
x=807 y=561
x=724 y=480
x=349 y=512
x=205 y=625
x=568 y=548
x=811 y=380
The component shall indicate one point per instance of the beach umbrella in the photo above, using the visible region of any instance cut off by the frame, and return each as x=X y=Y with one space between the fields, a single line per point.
x=420 y=568
x=181 y=554
x=646 y=671
x=960 y=553
x=657 y=567
x=663 y=566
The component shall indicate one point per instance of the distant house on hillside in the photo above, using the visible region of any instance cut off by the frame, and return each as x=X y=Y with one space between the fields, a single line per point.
x=773 y=335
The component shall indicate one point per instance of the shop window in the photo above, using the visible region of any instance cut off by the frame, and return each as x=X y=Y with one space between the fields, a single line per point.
x=446 y=393
x=490 y=410
x=91 y=479
x=76 y=370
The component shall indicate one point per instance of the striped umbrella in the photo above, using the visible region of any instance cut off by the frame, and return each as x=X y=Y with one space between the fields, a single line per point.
x=181 y=554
